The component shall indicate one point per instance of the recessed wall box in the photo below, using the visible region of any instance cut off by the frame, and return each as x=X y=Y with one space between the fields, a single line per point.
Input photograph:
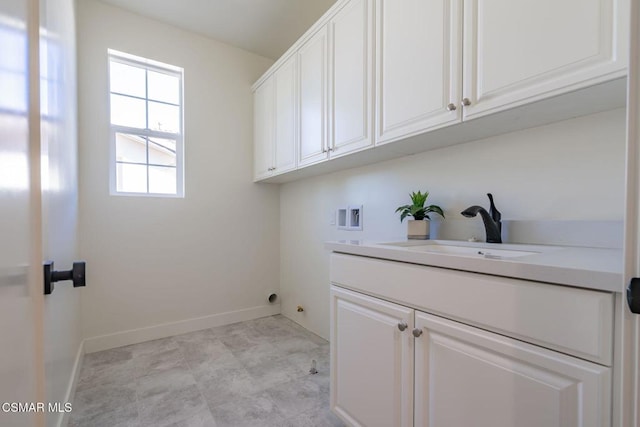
x=355 y=217
x=341 y=215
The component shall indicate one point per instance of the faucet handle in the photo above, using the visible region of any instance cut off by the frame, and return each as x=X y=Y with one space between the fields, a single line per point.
x=495 y=213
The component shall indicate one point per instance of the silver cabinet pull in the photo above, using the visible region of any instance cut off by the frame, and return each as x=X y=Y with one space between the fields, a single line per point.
x=417 y=332
x=451 y=107
x=402 y=326
x=466 y=102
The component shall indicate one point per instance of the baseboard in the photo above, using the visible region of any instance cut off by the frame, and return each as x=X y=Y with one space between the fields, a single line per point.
x=134 y=336
x=63 y=420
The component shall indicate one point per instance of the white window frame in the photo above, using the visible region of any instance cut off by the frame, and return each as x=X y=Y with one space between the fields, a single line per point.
x=147 y=64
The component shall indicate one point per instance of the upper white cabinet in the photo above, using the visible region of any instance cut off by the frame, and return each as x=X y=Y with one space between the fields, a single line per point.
x=372 y=72
x=520 y=51
x=275 y=122
x=264 y=128
x=312 y=60
x=351 y=78
x=419 y=69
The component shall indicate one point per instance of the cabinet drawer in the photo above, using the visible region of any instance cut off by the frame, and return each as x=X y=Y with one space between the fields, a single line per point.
x=570 y=320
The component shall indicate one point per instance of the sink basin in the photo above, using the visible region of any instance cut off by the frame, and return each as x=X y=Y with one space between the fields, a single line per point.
x=482 y=250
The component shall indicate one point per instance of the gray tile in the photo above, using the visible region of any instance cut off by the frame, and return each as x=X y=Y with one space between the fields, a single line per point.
x=201 y=419
x=320 y=355
x=302 y=331
x=231 y=329
x=274 y=372
x=101 y=399
x=294 y=344
x=258 y=354
x=150 y=364
x=107 y=357
x=318 y=417
x=323 y=382
x=272 y=327
x=124 y=416
x=208 y=350
x=243 y=340
x=297 y=396
x=151 y=347
x=172 y=406
x=202 y=335
x=171 y=379
x=227 y=384
x=207 y=361
x=248 y=411
x=100 y=374
x=169 y=382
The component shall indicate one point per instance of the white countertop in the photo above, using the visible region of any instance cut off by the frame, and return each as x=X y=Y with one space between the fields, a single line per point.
x=592 y=268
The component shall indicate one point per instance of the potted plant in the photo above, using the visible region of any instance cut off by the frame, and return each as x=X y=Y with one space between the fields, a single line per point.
x=418 y=227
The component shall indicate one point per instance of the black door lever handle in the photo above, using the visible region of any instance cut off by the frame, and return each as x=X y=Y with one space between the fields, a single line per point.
x=76 y=274
x=633 y=295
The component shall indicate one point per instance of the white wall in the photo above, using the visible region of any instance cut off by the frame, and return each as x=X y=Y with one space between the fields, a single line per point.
x=152 y=261
x=62 y=327
x=572 y=170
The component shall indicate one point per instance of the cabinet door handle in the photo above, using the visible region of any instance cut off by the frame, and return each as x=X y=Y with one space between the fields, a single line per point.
x=402 y=326
x=324 y=150
x=451 y=107
x=466 y=102
x=417 y=332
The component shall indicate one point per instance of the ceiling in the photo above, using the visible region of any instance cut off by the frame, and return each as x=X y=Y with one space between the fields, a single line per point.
x=265 y=27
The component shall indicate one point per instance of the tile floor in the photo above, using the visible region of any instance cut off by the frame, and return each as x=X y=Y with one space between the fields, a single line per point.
x=253 y=373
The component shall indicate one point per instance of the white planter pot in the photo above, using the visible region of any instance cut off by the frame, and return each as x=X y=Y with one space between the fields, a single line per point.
x=418 y=229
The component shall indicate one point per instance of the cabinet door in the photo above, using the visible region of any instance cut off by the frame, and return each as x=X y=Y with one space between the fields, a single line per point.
x=312 y=60
x=351 y=78
x=469 y=377
x=264 y=109
x=371 y=360
x=519 y=51
x=286 y=114
x=419 y=68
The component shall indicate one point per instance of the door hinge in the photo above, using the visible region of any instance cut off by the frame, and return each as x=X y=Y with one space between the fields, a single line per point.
x=633 y=295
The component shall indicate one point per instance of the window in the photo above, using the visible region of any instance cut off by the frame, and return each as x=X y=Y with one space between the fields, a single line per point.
x=146 y=127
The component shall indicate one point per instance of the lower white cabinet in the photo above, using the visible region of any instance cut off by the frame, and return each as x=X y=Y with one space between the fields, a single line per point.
x=437 y=372
x=371 y=360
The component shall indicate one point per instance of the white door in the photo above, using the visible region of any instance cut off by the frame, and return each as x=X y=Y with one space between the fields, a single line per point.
x=419 y=68
x=312 y=63
x=627 y=391
x=469 y=377
x=351 y=78
x=519 y=51
x=286 y=115
x=21 y=291
x=371 y=360
x=62 y=335
x=264 y=129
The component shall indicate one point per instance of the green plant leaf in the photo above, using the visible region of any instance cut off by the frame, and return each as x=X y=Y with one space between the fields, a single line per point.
x=435 y=209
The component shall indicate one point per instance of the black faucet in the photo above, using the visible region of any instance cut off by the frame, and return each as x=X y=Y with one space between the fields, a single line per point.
x=491 y=219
